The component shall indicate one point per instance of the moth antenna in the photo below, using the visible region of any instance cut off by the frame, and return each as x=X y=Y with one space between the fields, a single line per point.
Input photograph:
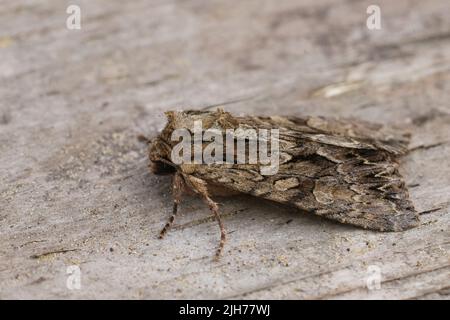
x=168 y=162
x=224 y=103
x=143 y=139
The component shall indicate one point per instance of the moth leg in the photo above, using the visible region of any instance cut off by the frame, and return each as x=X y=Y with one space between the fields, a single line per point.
x=223 y=235
x=177 y=190
x=200 y=187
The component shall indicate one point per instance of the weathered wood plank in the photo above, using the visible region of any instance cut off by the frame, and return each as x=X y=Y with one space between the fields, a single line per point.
x=75 y=185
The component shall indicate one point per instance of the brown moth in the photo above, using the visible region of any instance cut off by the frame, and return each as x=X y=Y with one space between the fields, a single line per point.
x=344 y=170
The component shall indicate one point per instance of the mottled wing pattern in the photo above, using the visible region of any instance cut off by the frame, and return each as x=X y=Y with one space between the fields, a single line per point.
x=341 y=170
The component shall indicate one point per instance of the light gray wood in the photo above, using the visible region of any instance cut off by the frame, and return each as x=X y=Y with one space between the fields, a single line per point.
x=75 y=187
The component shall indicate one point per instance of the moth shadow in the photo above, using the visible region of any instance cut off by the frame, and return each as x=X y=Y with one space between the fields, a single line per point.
x=262 y=210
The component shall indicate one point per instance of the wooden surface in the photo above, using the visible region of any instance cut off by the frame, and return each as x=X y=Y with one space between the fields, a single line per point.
x=75 y=188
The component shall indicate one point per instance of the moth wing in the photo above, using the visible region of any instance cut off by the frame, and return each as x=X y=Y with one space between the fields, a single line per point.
x=341 y=132
x=332 y=168
x=377 y=203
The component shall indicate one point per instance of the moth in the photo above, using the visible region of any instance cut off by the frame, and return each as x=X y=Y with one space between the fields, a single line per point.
x=344 y=170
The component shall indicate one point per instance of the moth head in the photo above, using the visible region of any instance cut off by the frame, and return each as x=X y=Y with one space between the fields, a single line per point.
x=161 y=146
x=159 y=153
